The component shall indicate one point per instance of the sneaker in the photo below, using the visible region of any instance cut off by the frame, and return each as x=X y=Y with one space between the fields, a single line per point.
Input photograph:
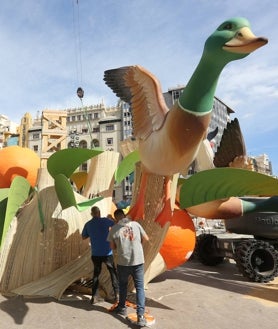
x=92 y=300
x=141 y=320
x=120 y=310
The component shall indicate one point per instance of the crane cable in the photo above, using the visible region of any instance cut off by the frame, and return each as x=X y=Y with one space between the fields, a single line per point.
x=78 y=59
x=77 y=41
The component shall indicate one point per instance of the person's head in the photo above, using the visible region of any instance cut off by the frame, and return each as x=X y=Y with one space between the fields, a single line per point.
x=95 y=211
x=110 y=216
x=119 y=214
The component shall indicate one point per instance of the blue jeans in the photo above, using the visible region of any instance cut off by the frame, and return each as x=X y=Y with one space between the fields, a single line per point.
x=137 y=273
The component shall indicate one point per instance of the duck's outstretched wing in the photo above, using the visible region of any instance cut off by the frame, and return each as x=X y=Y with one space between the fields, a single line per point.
x=138 y=87
x=231 y=146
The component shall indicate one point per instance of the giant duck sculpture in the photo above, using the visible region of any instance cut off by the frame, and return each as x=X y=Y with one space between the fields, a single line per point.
x=168 y=140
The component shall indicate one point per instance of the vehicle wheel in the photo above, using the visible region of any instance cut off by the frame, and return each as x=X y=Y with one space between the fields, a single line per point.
x=206 y=250
x=257 y=260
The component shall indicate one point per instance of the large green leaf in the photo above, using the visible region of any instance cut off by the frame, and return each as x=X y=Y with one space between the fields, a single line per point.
x=219 y=183
x=18 y=193
x=64 y=191
x=127 y=166
x=81 y=206
x=4 y=192
x=3 y=208
x=66 y=196
x=67 y=160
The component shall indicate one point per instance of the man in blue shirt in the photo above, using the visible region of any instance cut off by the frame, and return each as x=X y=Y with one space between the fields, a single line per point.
x=97 y=230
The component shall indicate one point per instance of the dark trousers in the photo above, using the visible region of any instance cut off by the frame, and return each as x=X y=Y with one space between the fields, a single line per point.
x=109 y=262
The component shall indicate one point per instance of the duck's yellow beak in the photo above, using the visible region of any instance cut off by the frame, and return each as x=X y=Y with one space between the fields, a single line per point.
x=245 y=42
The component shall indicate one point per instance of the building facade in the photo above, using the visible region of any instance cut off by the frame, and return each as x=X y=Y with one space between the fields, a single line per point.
x=262 y=164
x=8 y=130
x=86 y=127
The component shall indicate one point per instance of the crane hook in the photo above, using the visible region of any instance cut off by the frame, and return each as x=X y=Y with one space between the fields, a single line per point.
x=80 y=92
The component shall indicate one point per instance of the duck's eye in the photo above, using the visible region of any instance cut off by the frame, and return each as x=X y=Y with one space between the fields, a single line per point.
x=228 y=26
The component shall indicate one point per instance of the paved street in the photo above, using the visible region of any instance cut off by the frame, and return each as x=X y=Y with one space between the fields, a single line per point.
x=192 y=296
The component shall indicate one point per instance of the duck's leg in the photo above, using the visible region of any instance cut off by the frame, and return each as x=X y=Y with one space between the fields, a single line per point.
x=166 y=213
x=136 y=211
x=149 y=196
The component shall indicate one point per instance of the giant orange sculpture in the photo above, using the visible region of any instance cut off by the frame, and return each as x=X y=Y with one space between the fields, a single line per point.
x=18 y=161
x=179 y=241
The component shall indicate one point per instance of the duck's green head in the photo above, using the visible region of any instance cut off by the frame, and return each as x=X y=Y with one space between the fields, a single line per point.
x=232 y=40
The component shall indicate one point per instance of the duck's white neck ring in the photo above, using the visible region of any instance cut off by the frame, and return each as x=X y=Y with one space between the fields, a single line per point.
x=197 y=114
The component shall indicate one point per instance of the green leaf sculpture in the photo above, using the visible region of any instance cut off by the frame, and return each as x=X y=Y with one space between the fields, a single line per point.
x=66 y=195
x=61 y=165
x=67 y=160
x=4 y=192
x=219 y=183
x=127 y=166
x=17 y=195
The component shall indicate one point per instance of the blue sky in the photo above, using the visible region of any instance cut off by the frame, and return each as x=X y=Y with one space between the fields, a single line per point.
x=46 y=55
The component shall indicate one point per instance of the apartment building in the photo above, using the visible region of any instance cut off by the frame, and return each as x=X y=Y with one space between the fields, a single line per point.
x=262 y=164
x=7 y=130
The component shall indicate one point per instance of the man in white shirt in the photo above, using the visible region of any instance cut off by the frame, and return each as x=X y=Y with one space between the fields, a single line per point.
x=127 y=236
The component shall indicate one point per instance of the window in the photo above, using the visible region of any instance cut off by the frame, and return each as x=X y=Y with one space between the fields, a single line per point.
x=78 y=117
x=176 y=94
x=35 y=148
x=96 y=115
x=87 y=116
x=109 y=127
x=36 y=136
x=109 y=141
x=73 y=118
x=83 y=144
x=95 y=143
